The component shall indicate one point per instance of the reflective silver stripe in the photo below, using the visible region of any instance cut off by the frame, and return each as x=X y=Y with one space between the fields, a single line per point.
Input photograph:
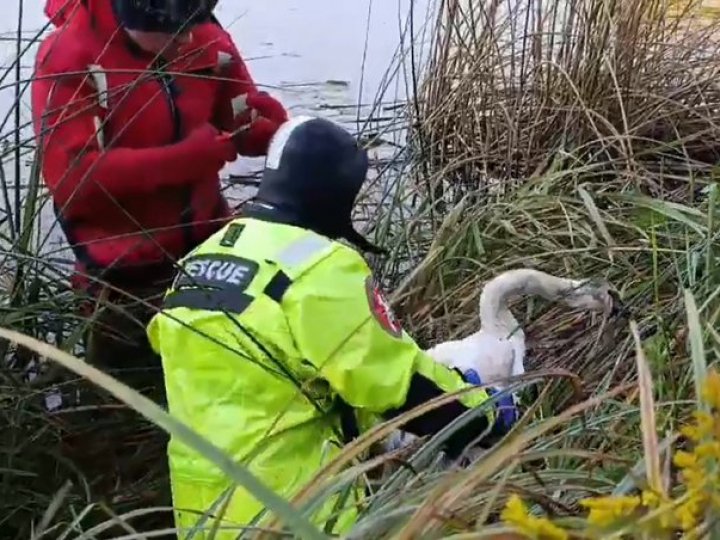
x=101 y=85
x=99 y=135
x=302 y=250
x=224 y=59
x=239 y=104
x=99 y=78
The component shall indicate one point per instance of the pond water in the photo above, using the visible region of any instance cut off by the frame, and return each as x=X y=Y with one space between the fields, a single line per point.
x=321 y=57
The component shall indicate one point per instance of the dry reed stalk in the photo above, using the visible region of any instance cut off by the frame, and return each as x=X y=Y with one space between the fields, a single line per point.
x=539 y=119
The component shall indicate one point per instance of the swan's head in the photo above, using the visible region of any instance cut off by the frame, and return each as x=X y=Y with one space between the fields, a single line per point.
x=594 y=295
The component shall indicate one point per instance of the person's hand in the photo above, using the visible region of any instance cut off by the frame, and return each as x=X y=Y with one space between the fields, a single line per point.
x=210 y=147
x=258 y=117
x=506 y=404
x=267 y=107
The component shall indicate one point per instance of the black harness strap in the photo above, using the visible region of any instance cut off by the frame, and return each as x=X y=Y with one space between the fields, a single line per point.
x=348 y=420
x=171 y=92
x=224 y=300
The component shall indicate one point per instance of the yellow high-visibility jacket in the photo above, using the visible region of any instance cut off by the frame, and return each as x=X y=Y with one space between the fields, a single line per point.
x=264 y=330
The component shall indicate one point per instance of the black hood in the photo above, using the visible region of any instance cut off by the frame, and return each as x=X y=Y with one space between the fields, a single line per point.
x=169 y=16
x=313 y=173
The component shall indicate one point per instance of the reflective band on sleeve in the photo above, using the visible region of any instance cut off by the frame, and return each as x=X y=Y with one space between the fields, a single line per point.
x=302 y=250
x=99 y=135
x=224 y=59
x=101 y=85
x=239 y=104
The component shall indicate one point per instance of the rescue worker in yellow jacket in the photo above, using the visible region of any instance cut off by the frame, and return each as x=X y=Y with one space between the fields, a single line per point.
x=277 y=343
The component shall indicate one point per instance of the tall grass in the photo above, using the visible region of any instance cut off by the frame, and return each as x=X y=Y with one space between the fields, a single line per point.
x=578 y=137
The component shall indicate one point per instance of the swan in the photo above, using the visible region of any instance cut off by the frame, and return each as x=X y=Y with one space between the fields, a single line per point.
x=498 y=348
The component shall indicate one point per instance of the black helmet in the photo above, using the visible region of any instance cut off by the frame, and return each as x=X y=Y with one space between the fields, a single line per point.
x=168 y=16
x=313 y=172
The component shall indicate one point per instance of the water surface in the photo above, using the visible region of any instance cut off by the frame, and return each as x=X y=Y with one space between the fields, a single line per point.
x=321 y=57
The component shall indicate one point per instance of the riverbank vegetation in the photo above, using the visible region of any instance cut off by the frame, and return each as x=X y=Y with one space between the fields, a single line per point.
x=577 y=137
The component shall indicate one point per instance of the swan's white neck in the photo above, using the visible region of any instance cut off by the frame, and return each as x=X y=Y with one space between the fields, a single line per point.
x=494 y=313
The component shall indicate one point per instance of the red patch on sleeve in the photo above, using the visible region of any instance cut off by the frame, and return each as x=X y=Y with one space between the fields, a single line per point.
x=381 y=310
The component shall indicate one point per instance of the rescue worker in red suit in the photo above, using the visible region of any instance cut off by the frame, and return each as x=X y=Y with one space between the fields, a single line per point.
x=137 y=105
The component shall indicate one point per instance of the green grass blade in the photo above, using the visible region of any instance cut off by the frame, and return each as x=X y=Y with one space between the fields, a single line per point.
x=697 y=347
x=157 y=415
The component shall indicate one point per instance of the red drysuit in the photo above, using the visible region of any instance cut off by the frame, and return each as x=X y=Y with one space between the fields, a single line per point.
x=130 y=152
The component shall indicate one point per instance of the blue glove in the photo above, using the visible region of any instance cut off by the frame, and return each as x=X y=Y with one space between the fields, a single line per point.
x=508 y=413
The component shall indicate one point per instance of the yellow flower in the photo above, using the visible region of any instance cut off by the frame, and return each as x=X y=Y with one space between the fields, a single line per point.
x=515 y=510
x=694 y=478
x=652 y=499
x=516 y=513
x=662 y=505
x=653 y=513
x=619 y=503
x=605 y=511
x=692 y=432
x=708 y=450
x=687 y=512
x=684 y=460
x=703 y=427
x=711 y=390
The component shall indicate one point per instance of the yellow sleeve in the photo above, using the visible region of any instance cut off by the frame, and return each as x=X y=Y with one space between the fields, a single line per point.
x=336 y=317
